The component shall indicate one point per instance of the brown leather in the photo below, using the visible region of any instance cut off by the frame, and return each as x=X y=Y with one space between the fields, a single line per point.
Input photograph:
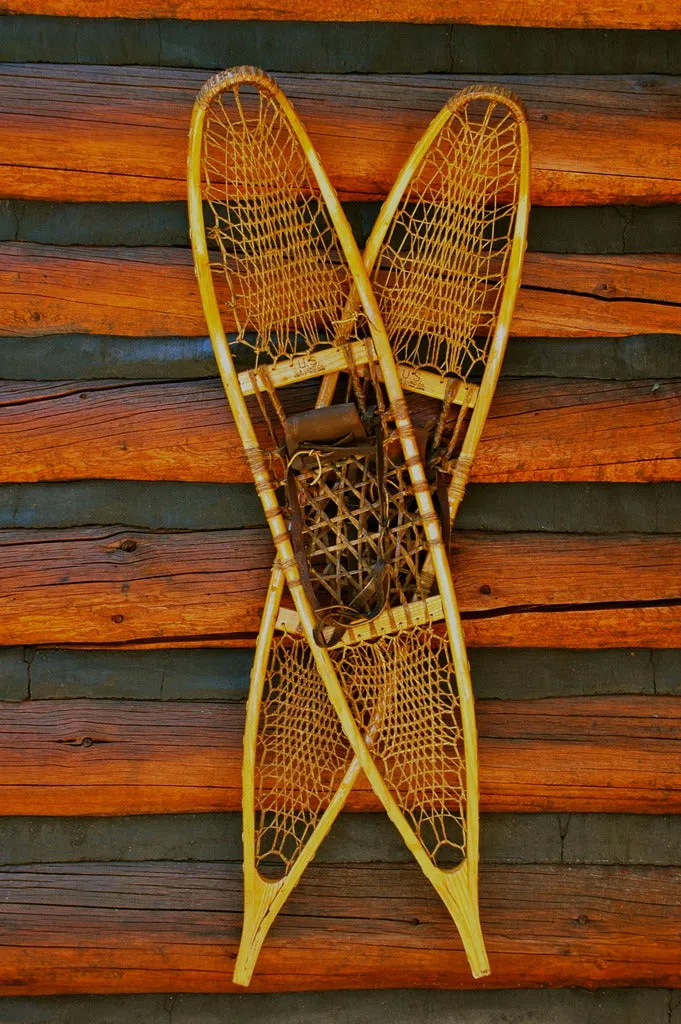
x=323 y=458
x=328 y=425
x=443 y=501
x=394 y=447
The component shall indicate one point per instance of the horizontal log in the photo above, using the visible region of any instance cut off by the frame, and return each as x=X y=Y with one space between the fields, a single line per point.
x=97 y=586
x=50 y=289
x=95 y=757
x=174 y=927
x=607 y=139
x=220 y=674
x=645 y=14
x=540 y=429
x=561 y=1006
x=83 y=357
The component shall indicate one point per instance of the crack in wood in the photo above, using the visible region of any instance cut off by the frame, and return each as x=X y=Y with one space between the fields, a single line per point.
x=520 y=609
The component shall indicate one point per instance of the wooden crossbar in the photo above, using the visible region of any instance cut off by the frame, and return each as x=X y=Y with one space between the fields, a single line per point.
x=331 y=360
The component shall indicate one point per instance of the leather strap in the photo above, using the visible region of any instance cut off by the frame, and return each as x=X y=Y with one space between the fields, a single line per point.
x=338 y=617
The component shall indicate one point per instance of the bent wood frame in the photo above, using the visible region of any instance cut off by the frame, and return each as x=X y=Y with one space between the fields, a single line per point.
x=275 y=617
x=478 y=398
x=458 y=887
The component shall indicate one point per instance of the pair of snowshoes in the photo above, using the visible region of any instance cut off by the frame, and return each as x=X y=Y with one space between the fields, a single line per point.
x=369 y=378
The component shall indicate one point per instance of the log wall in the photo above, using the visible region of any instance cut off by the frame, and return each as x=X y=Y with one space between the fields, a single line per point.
x=133 y=555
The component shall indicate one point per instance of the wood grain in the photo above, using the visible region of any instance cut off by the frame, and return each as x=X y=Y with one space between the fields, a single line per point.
x=106 y=133
x=100 y=586
x=644 y=14
x=546 y=429
x=96 y=757
x=51 y=289
x=173 y=927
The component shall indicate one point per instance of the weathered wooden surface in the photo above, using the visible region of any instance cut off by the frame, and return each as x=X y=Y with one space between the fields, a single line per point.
x=356 y=838
x=88 y=133
x=151 y=929
x=222 y=674
x=49 y=289
x=160 y=927
x=644 y=14
x=340 y=48
x=59 y=357
x=618 y=431
x=400 y=1006
x=83 y=757
x=111 y=586
x=60 y=289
